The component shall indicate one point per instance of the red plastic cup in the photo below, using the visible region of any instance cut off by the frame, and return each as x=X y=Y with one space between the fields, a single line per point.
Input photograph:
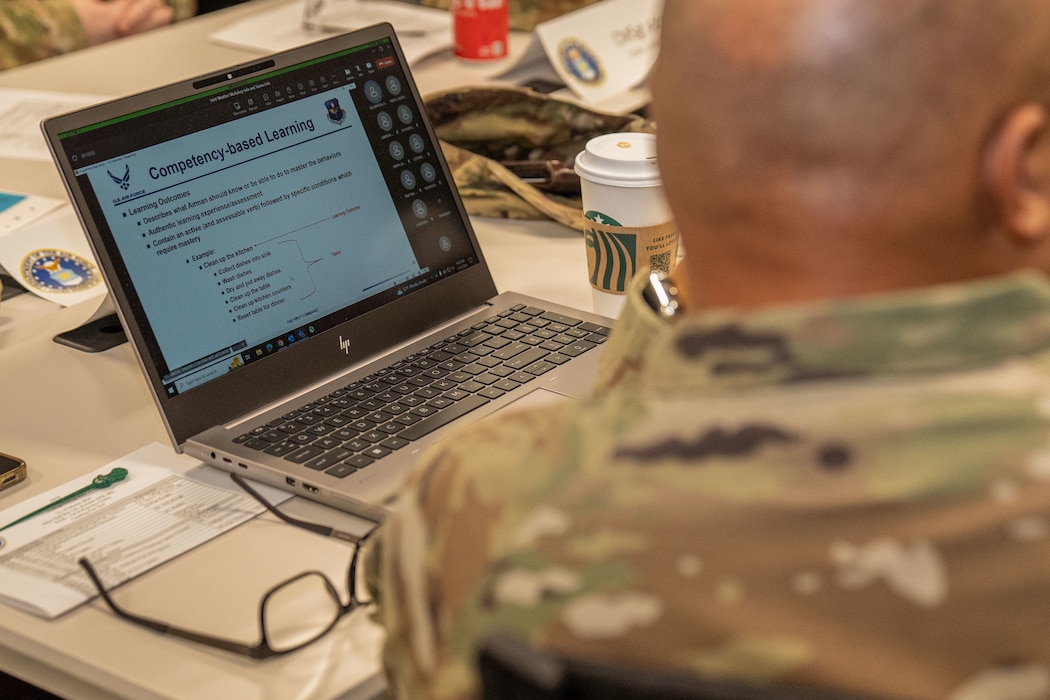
x=480 y=29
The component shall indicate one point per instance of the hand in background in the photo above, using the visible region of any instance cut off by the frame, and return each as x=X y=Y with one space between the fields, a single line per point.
x=104 y=20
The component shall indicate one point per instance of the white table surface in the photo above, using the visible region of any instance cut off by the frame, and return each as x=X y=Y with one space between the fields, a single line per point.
x=68 y=413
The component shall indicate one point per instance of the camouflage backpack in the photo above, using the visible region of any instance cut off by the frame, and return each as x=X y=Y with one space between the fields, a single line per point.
x=511 y=150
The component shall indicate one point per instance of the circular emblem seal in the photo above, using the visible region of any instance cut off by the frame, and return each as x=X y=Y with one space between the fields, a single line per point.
x=580 y=61
x=59 y=271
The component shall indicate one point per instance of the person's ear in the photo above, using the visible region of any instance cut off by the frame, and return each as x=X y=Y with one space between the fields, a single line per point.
x=1013 y=176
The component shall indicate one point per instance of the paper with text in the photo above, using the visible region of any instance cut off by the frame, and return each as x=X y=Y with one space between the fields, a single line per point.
x=421 y=30
x=167 y=505
x=21 y=112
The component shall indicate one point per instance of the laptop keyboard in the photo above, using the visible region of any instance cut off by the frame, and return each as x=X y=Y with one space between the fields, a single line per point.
x=352 y=427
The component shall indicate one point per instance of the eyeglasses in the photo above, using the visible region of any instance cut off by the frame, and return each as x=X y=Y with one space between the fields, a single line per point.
x=293 y=614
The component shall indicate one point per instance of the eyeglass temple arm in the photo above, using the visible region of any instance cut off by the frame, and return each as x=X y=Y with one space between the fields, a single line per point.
x=313 y=527
x=256 y=651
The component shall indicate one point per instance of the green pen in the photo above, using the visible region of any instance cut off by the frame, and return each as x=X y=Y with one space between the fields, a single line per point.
x=101 y=481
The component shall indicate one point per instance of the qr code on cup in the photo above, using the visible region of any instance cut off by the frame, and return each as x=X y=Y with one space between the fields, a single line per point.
x=661 y=262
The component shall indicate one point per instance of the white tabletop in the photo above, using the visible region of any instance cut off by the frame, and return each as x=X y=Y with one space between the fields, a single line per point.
x=68 y=413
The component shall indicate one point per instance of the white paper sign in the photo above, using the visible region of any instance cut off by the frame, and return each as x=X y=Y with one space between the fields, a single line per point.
x=51 y=258
x=601 y=52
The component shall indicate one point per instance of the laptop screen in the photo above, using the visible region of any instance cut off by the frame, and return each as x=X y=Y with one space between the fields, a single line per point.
x=250 y=217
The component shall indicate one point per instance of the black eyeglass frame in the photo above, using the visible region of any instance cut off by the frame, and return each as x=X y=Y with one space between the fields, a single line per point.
x=261 y=649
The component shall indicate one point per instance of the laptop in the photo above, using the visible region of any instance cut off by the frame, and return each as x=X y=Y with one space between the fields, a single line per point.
x=297 y=275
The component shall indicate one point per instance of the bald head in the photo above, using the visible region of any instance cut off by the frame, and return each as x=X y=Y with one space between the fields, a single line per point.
x=806 y=137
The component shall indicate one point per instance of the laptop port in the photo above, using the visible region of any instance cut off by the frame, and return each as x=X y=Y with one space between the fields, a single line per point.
x=289 y=480
x=311 y=489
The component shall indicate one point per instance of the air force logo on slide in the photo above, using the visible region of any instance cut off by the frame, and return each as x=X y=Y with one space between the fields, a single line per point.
x=125 y=181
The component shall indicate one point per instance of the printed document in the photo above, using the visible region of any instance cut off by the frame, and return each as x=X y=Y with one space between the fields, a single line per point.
x=21 y=112
x=167 y=505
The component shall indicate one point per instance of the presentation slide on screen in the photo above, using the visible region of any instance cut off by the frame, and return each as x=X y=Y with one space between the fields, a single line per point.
x=254 y=226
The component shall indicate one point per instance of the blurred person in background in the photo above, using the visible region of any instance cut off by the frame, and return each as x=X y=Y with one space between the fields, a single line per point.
x=31 y=30
x=829 y=465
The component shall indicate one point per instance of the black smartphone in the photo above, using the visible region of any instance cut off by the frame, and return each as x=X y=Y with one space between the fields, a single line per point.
x=12 y=470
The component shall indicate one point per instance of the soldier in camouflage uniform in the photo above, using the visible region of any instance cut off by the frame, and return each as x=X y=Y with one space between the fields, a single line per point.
x=833 y=470
x=34 y=29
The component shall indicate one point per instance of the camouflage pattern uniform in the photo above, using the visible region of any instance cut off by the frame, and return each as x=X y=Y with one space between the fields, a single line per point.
x=31 y=30
x=525 y=14
x=482 y=127
x=854 y=495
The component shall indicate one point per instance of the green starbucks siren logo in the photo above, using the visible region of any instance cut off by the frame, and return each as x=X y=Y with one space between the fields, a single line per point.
x=614 y=254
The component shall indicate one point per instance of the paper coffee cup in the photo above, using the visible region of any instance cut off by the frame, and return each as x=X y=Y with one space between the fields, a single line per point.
x=627 y=224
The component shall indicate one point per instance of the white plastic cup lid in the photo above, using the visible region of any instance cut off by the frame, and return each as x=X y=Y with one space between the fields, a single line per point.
x=620 y=160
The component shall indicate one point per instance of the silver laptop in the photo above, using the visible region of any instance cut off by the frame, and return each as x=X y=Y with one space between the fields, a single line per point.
x=297 y=275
